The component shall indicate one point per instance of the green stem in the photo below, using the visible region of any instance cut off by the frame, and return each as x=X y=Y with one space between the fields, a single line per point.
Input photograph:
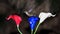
x=19 y=30
x=32 y=31
x=37 y=28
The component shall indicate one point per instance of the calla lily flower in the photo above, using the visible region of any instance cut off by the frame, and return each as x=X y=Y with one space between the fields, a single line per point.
x=42 y=17
x=32 y=20
x=16 y=18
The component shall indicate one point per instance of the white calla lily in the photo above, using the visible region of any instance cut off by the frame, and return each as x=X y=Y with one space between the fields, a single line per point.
x=44 y=16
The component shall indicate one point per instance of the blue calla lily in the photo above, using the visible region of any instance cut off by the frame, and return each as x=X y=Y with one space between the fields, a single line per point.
x=32 y=20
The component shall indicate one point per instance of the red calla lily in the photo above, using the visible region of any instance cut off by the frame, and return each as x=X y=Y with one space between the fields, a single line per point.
x=16 y=18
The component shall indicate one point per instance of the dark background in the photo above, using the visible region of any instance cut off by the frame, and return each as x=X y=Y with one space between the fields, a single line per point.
x=49 y=26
